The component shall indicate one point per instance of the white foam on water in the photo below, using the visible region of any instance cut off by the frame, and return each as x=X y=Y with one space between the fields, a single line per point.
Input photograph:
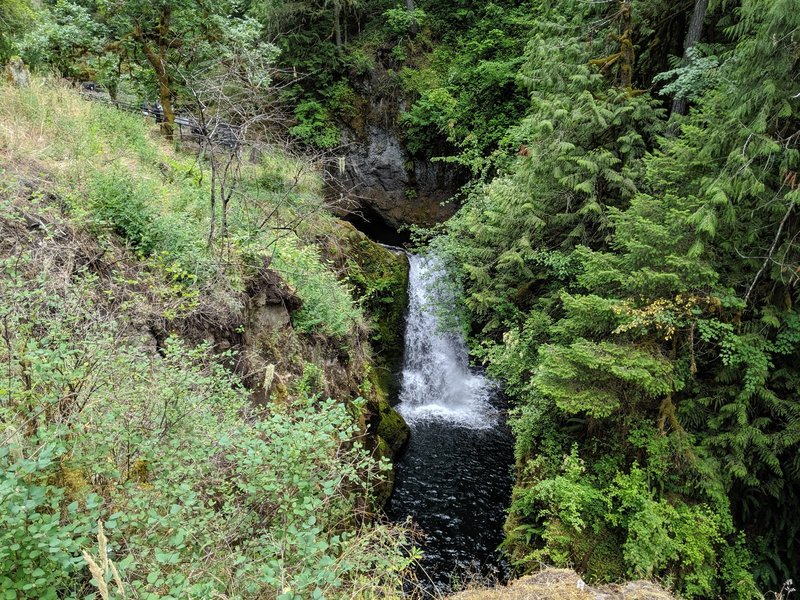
x=437 y=383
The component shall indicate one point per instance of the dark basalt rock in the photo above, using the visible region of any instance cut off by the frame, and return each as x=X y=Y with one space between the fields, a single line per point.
x=374 y=170
x=381 y=176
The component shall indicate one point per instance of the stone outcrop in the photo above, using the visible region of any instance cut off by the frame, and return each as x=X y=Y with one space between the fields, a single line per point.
x=17 y=73
x=375 y=172
x=267 y=319
x=270 y=301
x=379 y=176
x=565 y=584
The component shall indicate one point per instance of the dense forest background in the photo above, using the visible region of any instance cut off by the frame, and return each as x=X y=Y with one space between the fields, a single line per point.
x=628 y=238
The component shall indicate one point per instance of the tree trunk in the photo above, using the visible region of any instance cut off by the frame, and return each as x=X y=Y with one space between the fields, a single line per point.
x=158 y=60
x=165 y=97
x=679 y=104
x=164 y=87
x=626 y=52
x=414 y=28
x=337 y=25
x=213 y=198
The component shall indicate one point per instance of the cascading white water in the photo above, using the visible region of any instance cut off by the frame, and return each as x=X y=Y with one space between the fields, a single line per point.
x=437 y=383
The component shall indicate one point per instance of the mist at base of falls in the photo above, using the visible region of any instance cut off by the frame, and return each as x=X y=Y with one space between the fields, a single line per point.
x=454 y=478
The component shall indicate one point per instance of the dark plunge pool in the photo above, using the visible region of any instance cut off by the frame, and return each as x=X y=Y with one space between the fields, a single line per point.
x=455 y=483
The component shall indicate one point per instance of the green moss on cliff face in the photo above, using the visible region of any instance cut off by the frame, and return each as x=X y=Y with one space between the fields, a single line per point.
x=391 y=428
x=388 y=426
x=388 y=430
x=380 y=277
x=391 y=434
x=379 y=281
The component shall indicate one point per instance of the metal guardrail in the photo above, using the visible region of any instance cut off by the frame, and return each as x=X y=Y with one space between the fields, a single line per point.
x=224 y=134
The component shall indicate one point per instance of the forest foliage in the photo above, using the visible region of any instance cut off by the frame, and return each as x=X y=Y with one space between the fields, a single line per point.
x=633 y=278
x=630 y=268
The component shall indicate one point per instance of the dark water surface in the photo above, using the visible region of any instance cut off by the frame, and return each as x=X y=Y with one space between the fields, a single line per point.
x=455 y=483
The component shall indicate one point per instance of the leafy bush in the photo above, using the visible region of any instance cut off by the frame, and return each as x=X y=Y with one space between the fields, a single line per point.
x=200 y=494
x=327 y=303
x=657 y=536
x=400 y=21
x=429 y=119
x=341 y=99
x=360 y=61
x=123 y=204
x=314 y=125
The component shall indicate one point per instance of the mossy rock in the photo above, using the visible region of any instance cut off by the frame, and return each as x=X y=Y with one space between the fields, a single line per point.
x=385 y=381
x=74 y=481
x=279 y=393
x=379 y=278
x=387 y=424
x=389 y=433
x=392 y=429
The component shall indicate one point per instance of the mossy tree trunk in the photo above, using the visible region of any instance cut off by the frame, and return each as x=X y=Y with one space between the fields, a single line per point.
x=679 y=104
x=155 y=46
x=623 y=59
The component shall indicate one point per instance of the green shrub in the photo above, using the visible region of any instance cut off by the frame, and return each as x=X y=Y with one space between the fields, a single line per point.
x=341 y=100
x=327 y=303
x=429 y=119
x=121 y=202
x=126 y=204
x=400 y=21
x=196 y=500
x=360 y=62
x=684 y=543
x=314 y=125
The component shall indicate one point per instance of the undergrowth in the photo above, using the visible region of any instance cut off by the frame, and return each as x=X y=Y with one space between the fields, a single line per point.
x=200 y=494
x=153 y=446
x=114 y=174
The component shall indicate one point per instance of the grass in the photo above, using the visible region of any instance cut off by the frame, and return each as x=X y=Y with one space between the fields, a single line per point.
x=112 y=172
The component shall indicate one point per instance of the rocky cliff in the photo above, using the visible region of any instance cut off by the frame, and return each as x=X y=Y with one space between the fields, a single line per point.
x=375 y=174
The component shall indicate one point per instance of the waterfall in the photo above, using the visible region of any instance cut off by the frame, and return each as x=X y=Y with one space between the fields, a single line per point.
x=453 y=478
x=437 y=383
